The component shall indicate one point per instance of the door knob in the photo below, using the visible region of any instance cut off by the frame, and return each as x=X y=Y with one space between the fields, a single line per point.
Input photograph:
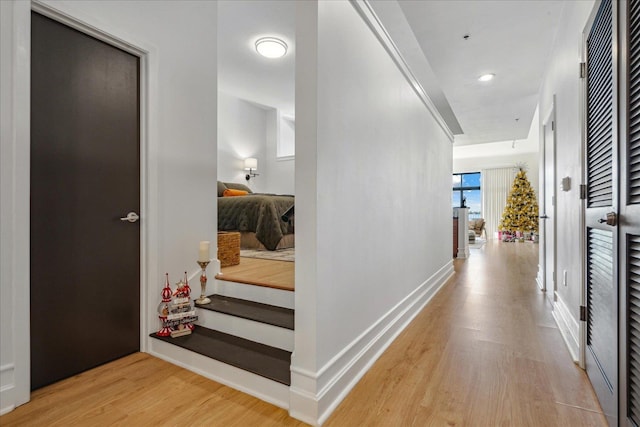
x=131 y=217
x=611 y=219
x=543 y=217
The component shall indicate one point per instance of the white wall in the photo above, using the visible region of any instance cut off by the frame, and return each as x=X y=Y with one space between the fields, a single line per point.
x=250 y=130
x=179 y=150
x=242 y=133
x=281 y=172
x=374 y=216
x=14 y=209
x=561 y=79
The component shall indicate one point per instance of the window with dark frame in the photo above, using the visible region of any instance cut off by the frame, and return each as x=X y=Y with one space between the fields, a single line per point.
x=467 y=186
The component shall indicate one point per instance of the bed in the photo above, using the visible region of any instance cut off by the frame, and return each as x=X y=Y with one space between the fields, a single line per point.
x=263 y=220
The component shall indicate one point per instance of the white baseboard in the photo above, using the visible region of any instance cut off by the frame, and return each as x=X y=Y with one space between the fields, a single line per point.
x=463 y=252
x=8 y=408
x=6 y=399
x=569 y=327
x=540 y=278
x=239 y=379
x=336 y=379
x=7 y=387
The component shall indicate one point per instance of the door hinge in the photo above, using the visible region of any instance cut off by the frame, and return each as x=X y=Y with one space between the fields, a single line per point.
x=583 y=70
x=553 y=125
x=583 y=313
x=583 y=191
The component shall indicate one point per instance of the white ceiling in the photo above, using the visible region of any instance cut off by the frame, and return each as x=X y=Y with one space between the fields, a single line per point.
x=511 y=39
x=241 y=71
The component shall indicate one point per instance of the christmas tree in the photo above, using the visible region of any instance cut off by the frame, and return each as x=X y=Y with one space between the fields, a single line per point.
x=521 y=212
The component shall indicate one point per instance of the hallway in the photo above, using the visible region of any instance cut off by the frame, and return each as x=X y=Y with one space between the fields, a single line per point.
x=484 y=352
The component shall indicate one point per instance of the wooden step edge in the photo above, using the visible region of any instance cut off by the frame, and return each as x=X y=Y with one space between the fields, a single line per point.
x=260 y=359
x=256 y=311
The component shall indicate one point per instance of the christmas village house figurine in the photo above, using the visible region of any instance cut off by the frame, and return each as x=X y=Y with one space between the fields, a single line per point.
x=163 y=309
x=175 y=311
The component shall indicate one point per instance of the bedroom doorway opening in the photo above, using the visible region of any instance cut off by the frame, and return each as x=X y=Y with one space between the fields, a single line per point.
x=252 y=303
x=256 y=143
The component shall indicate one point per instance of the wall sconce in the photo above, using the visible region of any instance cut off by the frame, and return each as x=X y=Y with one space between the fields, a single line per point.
x=251 y=165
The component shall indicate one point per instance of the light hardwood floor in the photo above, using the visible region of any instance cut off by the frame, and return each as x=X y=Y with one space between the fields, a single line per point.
x=484 y=352
x=261 y=272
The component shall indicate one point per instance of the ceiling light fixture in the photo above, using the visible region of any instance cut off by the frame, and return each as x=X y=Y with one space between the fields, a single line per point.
x=486 y=77
x=271 y=47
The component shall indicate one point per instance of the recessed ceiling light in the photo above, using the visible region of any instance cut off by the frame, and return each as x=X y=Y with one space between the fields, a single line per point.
x=486 y=77
x=271 y=47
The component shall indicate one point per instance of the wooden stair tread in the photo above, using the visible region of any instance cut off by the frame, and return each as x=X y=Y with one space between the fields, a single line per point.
x=260 y=359
x=259 y=312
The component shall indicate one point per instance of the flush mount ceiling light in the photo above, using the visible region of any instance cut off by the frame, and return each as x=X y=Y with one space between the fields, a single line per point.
x=486 y=77
x=271 y=47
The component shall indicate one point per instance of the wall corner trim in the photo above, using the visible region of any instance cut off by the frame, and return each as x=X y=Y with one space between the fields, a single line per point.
x=366 y=12
x=568 y=326
x=315 y=395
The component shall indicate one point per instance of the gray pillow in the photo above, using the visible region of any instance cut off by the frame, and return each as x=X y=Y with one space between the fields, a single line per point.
x=221 y=188
x=234 y=186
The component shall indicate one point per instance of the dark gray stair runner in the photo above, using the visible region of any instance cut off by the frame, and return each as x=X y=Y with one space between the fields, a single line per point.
x=260 y=359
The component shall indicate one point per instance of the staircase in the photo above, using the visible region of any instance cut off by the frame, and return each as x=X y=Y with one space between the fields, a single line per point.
x=243 y=338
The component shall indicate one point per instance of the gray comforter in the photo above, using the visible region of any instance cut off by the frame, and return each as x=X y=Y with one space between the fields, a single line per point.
x=260 y=213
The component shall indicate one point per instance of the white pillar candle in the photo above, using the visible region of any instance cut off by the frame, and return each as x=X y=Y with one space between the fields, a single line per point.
x=203 y=252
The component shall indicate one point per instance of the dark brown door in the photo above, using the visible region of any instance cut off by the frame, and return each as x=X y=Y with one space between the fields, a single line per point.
x=85 y=176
